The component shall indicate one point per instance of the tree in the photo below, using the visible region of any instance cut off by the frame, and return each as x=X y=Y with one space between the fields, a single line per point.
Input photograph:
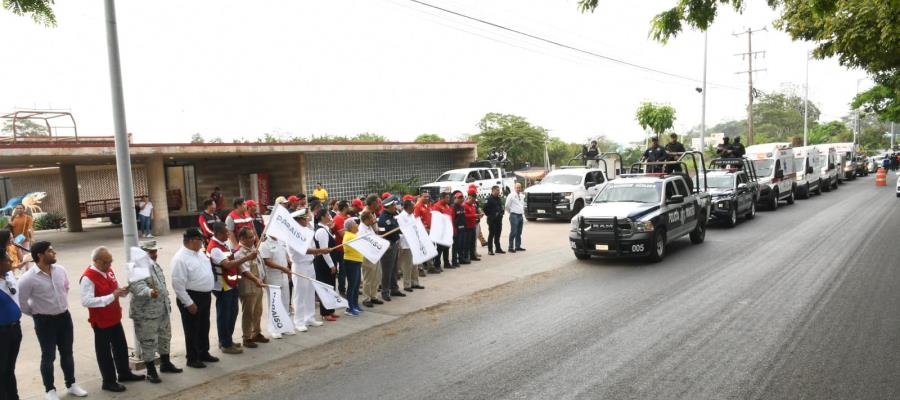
x=779 y=115
x=25 y=127
x=522 y=141
x=881 y=99
x=368 y=137
x=658 y=118
x=39 y=10
x=831 y=132
x=197 y=138
x=560 y=152
x=429 y=137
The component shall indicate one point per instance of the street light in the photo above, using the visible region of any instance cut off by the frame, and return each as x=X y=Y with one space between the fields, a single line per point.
x=703 y=94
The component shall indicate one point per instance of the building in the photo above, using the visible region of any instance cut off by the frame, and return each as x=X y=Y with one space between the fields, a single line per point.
x=80 y=177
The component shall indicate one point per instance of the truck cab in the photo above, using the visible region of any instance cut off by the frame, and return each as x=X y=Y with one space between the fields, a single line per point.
x=806 y=161
x=734 y=188
x=563 y=193
x=640 y=213
x=774 y=164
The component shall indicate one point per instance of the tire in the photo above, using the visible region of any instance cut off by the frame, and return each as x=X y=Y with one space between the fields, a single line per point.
x=699 y=233
x=790 y=199
x=582 y=256
x=819 y=188
x=752 y=213
x=732 y=218
x=806 y=193
x=827 y=187
x=658 y=252
x=579 y=204
x=115 y=219
x=773 y=205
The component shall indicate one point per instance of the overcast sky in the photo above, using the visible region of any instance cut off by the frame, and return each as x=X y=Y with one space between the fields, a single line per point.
x=392 y=67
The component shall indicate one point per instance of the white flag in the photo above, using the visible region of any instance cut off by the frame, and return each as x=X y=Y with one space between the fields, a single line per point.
x=139 y=267
x=371 y=246
x=279 y=320
x=329 y=298
x=284 y=228
x=420 y=245
x=441 y=229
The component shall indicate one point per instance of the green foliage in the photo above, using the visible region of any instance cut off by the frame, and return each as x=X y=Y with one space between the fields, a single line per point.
x=4 y=221
x=368 y=137
x=25 y=127
x=657 y=117
x=39 y=10
x=561 y=152
x=630 y=156
x=397 y=188
x=197 y=138
x=522 y=141
x=429 y=137
x=779 y=115
x=832 y=132
x=50 y=220
x=882 y=99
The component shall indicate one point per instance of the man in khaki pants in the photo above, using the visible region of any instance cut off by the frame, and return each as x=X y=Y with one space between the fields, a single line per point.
x=404 y=259
x=250 y=290
x=371 y=272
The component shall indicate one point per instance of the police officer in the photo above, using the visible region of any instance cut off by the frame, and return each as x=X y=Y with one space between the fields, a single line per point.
x=724 y=149
x=673 y=148
x=655 y=154
x=591 y=155
x=387 y=222
x=151 y=310
x=738 y=147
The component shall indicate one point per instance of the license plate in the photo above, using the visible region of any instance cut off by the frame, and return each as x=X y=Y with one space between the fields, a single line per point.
x=601 y=247
x=541 y=211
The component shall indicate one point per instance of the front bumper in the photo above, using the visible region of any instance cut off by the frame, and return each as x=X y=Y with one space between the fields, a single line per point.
x=607 y=245
x=721 y=208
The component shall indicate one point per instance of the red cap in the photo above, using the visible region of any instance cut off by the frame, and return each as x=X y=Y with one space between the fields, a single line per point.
x=409 y=197
x=293 y=199
x=250 y=203
x=358 y=204
x=472 y=190
x=458 y=195
x=385 y=195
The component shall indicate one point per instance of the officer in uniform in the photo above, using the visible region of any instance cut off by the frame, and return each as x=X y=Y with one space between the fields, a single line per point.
x=151 y=310
x=655 y=154
x=590 y=155
x=673 y=148
x=738 y=147
x=724 y=149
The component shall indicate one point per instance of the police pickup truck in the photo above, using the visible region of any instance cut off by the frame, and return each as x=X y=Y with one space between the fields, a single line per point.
x=638 y=214
x=734 y=188
x=563 y=193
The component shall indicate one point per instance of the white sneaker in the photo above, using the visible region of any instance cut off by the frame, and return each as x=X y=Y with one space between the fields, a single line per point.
x=302 y=328
x=77 y=391
x=150 y=236
x=316 y=322
x=51 y=395
x=275 y=336
x=289 y=333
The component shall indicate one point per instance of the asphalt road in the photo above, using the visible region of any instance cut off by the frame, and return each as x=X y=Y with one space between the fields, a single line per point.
x=799 y=303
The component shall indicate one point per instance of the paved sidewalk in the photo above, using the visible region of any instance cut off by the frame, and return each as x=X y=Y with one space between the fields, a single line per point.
x=543 y=240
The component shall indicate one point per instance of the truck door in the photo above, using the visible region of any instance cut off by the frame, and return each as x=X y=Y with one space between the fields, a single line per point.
x=744 y=196
x=674 y=213
x=688 y=208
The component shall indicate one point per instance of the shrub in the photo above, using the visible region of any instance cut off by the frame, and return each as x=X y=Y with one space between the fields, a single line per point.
x=396 y=188
x=4 y=220
x=50 y=220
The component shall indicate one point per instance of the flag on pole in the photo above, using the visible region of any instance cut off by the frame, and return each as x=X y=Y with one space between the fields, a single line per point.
x=371 y=246
x=441 y=229
x=284 y=228
x=139 y=267
x=330 y=299
x=420 y=245
x=279 y=320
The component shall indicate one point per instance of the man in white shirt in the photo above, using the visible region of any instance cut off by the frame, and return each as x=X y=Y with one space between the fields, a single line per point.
x=192 y=281
x=277 y=273
x=404 y=259
x=145 y=216
x=304 y=293
x=100 y=293
x=515 y=205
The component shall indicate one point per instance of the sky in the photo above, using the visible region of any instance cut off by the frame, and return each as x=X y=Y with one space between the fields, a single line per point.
x=395 y=67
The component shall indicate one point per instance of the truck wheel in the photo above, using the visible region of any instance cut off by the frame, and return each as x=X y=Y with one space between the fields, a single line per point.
x=752 y=212
x=732 y=218
x=773 y=205
x=658 y=252
x=827 y=187
x=790 y=199
x=579 y=204
x=699 y=233
x=115 y=219
x=583 y=256
x=806 y=193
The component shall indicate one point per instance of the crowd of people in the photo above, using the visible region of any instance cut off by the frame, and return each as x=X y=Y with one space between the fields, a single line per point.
x=231 y=257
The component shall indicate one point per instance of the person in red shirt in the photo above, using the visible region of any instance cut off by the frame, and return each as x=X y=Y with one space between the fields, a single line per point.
x=337 y=228
x=218 y=198
x=471 y=222
x=423 y=210
x=237 y=219
x=442 y=205
x=207 y=218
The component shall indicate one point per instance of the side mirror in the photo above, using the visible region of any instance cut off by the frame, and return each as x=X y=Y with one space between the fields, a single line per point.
x=676 y=199
x=779 y=174
x=742 y=186
x=809 y=170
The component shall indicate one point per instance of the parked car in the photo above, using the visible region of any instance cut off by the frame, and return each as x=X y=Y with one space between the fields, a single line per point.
x=563 y=193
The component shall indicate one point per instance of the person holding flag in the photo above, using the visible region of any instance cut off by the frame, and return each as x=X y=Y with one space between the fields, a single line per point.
x=371 y=271
x=277 y=272
x=353 y=260
x=226 y=269
x=250 y=290
x=387 y=224
x=150 y=311
x=304 y=272
x=442 y=205
x=409 y=270
x=323 y=263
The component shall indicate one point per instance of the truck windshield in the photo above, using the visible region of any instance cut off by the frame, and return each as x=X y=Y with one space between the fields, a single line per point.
x=562 y=179
x=452 y=177
x=720 y=182
x=764 y=167
x=630 y=192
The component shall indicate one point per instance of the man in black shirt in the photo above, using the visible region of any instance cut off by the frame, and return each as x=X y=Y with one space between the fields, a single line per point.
x=725 y=150
x=655 y=154
x=674 y=148
x=738 y=147
x=494 y=212
x=459 y=230
x=387 y=222
x=590 y=155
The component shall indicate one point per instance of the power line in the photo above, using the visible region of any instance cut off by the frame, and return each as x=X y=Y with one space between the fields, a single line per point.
x=563 y=45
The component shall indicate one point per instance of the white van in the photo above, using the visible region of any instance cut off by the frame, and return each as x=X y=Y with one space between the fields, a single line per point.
x=806 y=163
x=847 y=151
x=828 y=166
x=774 y=164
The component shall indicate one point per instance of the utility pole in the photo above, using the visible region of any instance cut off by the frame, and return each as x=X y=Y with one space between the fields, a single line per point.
x=123 y=156
x=856 y=112
x=750 y=55
x=703 y=93
x=893 y=137
x=806 y=103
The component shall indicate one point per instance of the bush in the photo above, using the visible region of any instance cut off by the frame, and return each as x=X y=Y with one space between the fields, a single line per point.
x=50 y=220
x=4 y=220
x=410 y=186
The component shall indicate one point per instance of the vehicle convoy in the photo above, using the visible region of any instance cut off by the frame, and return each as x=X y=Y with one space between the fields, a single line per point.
x=774 y=164
x=847 y=152
x=639 y=213
x=862 y=165
x=565 y=191
x=483 y=174
x=829 y=173
x=809 y=181
x=734 y=188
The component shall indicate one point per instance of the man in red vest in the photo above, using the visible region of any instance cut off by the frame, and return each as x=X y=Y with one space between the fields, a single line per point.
x=237 y=219
x=442 y=205
x=100 y=293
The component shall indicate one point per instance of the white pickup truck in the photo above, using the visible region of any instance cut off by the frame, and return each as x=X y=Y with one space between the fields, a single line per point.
x=484 y=178
x=563 y=193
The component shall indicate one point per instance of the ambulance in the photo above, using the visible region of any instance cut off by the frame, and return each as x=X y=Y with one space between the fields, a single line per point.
x=776 y=168
x=829 y=168
x=847 y=151
x=806 y=163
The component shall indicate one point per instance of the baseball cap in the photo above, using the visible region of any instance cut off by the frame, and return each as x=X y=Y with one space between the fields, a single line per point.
x=391 y=200
x=457 y=194
x=409 y=197
x=293 y=199
x=385 y=195
x=358 y=204
x=150 y=245
x=250 y=203
x=280 y=200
